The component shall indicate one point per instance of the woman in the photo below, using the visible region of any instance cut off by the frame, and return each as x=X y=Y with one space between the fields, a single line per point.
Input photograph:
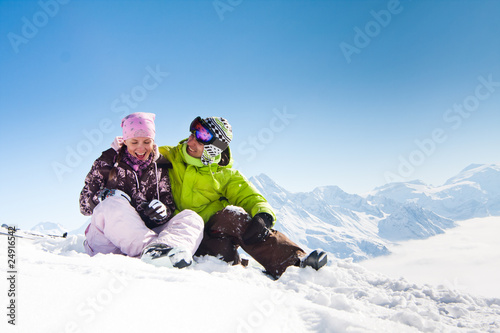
x=128 y=194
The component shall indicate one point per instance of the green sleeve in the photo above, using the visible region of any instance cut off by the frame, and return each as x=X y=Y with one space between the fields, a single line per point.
x=241 y=192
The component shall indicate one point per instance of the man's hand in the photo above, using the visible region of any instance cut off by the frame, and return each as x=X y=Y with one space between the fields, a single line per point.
x=258 y=228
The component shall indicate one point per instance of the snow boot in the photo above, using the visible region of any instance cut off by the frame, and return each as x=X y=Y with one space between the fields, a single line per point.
x=162 y=255
x=316 y=259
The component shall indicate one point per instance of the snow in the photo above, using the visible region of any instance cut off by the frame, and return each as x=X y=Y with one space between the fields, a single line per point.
x=466 y=258
x=61 y=289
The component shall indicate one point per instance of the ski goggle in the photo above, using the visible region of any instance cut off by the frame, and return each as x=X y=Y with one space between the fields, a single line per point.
x=204 y=135
x=202 y=131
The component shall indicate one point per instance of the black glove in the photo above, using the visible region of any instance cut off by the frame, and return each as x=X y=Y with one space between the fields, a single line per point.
x=155 y=210
x=106 y=192
x=258 y=228
x=103 y=194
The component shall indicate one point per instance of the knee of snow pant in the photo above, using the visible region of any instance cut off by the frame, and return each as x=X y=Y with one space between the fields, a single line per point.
x=223 y=248
x=232 y=221
x=276 y=253
x=184 y=230
x=122 y=226
x=95 y=242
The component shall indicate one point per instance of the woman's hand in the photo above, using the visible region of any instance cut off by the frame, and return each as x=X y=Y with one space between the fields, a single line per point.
x=106 y=192
x=155 y=210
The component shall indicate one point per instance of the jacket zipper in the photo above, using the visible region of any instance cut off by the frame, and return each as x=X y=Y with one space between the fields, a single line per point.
x=157 y=181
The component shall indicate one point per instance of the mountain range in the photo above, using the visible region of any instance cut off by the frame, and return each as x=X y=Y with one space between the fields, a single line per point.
x=474 y=192
x=363 y=226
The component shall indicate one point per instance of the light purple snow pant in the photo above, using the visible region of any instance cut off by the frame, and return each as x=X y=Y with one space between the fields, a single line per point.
x=117 y=228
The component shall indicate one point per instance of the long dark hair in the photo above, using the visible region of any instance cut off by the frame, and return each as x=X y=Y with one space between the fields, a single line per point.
x=119 y=157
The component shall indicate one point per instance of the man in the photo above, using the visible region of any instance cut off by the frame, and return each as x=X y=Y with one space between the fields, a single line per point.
x=235 y=213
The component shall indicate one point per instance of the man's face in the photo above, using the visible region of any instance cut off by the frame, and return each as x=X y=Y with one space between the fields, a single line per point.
x=194 y=148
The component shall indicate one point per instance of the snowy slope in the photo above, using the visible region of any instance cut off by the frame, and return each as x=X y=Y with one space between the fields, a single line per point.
x=466 y=258
x=412 y=222
x=61 y=289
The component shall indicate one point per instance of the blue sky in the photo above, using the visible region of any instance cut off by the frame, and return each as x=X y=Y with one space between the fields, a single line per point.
x=346 y=93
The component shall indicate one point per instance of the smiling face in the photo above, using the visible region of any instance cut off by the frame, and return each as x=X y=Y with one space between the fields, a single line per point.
x=140 y=148
x=194 y=148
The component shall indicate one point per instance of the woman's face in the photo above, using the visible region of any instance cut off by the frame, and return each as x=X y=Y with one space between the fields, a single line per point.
x=140 y=147
x=194 y=148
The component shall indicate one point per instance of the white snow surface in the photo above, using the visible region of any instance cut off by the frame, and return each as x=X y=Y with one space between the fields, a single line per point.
x=61 y=289
x=465 y=258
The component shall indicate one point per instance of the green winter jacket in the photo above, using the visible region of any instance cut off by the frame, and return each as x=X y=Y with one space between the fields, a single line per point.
x=208 y=189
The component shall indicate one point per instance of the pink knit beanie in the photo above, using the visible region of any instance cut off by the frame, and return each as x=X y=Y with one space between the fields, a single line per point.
x=139 y=125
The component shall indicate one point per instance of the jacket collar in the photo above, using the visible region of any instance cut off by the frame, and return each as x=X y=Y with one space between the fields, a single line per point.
x=224 y=160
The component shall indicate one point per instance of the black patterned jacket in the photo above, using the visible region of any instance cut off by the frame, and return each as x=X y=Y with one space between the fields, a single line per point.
x=153 y=184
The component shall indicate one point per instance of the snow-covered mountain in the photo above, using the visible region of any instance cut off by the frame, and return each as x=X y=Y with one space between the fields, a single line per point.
x=347 y=225
x=474 y=192
x=360 y=227
x=49 y=228
x=412 y=222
